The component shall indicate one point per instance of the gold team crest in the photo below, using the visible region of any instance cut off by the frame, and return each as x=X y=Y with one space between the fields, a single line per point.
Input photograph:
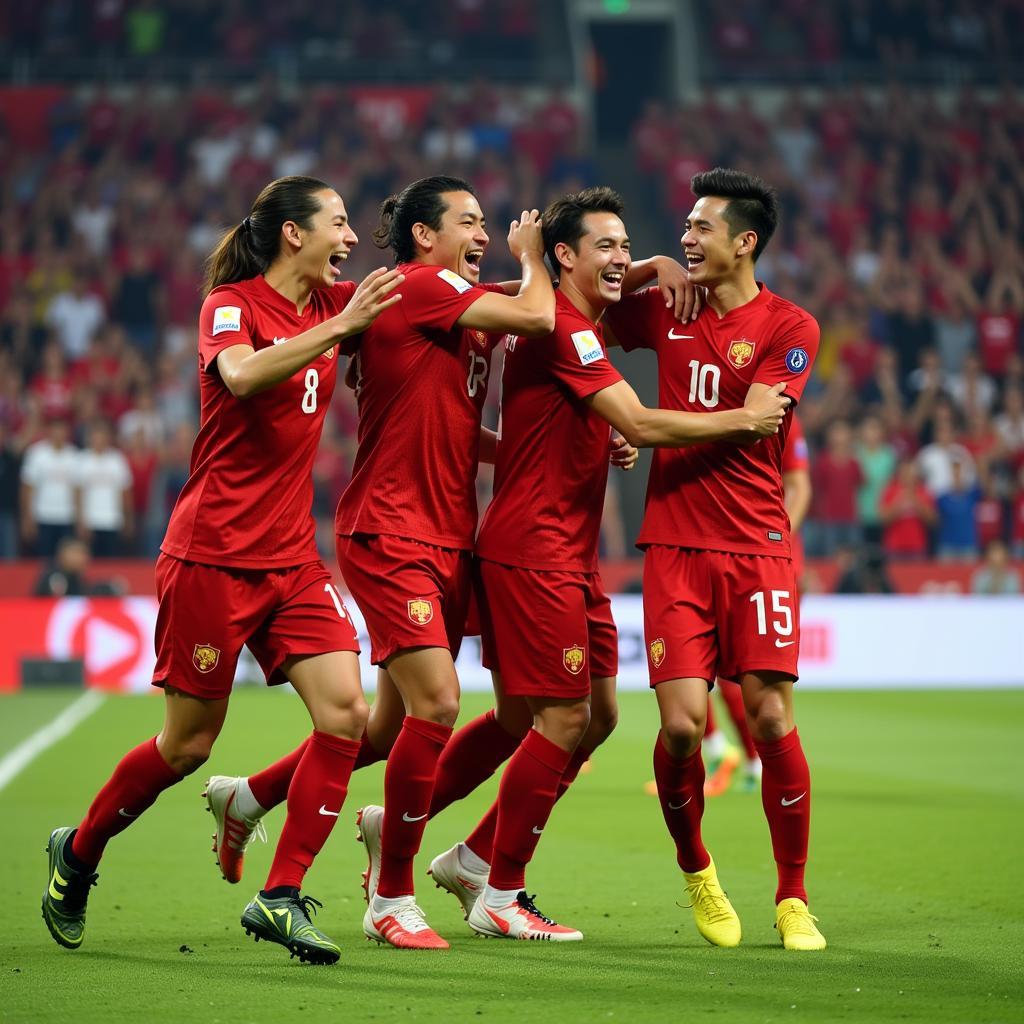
x=573 y=659
x=480 y=338
x=205 y=657
x=741 y=352
x=421 y=611
x=657 y=652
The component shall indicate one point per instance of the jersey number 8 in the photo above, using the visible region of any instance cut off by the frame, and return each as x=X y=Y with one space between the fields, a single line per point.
x=309 y=395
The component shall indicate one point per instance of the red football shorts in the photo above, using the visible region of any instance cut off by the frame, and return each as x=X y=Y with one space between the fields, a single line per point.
x=711 y=613
x=410 y=594
x=207 y=612
x=547 y=633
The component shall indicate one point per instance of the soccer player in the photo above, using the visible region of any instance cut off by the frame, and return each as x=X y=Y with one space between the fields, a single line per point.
x=546 y=622
x=719 y=588
x=796 y=488
x=239 y=563
x=406 y=522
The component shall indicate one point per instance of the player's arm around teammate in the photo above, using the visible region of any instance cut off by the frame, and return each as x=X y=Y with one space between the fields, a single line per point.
x=239 y=562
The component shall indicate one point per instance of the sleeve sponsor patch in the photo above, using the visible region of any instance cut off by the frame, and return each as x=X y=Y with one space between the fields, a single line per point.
x=796 y=360
x=227 y=318
x=460 y=284
x=588 y=348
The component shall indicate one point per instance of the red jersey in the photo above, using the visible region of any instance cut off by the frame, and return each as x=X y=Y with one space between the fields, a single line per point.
x=248 y=499
x=420 y=389
x=719 y=496
x=794 y=453
x=552 y=463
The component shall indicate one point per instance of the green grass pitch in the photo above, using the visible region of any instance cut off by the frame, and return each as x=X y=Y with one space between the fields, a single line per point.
x=918 y=824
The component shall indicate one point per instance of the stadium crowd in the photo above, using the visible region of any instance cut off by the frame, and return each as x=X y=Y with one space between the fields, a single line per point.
x=901 y=233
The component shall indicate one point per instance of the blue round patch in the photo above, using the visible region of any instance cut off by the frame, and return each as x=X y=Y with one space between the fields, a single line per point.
x=796 y=360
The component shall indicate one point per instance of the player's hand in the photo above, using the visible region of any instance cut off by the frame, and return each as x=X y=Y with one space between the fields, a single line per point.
x=767 y=410
x=683 y=298
x=370 y=299
x=524 y=235
x=622 y=453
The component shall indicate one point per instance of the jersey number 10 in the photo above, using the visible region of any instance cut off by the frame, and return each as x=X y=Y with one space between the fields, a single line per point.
x=704 y=383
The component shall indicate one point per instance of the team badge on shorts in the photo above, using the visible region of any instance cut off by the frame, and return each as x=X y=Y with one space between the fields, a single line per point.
x=421 y=611
x=573 y=659
x=657 y=652
x=205 y=657
x=480 y=338
x=741 y=352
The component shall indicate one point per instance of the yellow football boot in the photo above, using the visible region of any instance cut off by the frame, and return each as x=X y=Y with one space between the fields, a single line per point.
x=716 y=920
x=796 y=926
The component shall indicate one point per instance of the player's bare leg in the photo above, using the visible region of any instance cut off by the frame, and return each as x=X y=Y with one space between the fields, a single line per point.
x=426 y=679
x=329 y=687
x=679 y=774
x=528 y=791
x=786 y=798
x=190 y=727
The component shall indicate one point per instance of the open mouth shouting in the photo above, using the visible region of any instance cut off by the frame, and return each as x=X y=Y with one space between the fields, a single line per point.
x=472 y=260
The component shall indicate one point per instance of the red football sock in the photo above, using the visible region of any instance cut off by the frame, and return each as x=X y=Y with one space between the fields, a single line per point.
x=317 y=791
x=270 y=786
x=579 y=758
x=472 y=756
x=139 y=778
x=408 y=788
x=481 y=839
x=368 y=753
x=732 y=694
x=786 y=797
x=529 y=787
x=681 y=792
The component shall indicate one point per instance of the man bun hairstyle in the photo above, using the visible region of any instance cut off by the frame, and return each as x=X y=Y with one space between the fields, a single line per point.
x=753 y=204
x=562 y=222
x=418 y=203
x=248 y=249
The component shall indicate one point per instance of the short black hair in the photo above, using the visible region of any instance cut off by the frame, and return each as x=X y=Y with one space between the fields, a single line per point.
x=753 y=204
x=418 y=203
x=562 y=222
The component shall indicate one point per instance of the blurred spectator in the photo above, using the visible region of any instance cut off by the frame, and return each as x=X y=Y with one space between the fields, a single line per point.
x=64 y=576
x=75 y=316
x=10 y=472
x=877 y=461
x=867 y=574
x=995 y=576
x=105 y=482
x=938 y=460
x=989 y=513
x=49 y=476
x=907 y=512
x=836 y=477
x=957 y=533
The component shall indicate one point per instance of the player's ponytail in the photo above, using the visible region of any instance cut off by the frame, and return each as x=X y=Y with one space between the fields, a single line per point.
x=249 y=248
x=418 y=203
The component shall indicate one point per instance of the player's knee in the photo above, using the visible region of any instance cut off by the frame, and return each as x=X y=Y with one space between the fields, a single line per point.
x=343 y=718
x=771 y=723
x=575 y=722
x=443 y=709
x=602 y=723
x=682 y=734
x=515 y=719
x=185 y=756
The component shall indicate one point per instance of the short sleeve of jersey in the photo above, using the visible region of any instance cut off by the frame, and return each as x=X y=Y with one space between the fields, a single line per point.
x=224 y=320
x=791 y=356
x=433 y=298
x=636 y=319
x=795 y=456
x=577 y=359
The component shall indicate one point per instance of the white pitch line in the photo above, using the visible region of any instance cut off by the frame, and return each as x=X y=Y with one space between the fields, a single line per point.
x=12 y=764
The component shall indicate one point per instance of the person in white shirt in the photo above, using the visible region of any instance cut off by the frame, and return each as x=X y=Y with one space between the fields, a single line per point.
x=75 y=314
x=49 y=479
x=104 y=482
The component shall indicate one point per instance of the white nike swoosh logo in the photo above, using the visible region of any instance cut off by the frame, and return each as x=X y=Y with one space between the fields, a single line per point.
x=537 y=831
x=327 y=813
x=125 y=814
x=784 y=643
x=679 y=807
x=680 y=337
x=795 y=800
x=406 y=817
